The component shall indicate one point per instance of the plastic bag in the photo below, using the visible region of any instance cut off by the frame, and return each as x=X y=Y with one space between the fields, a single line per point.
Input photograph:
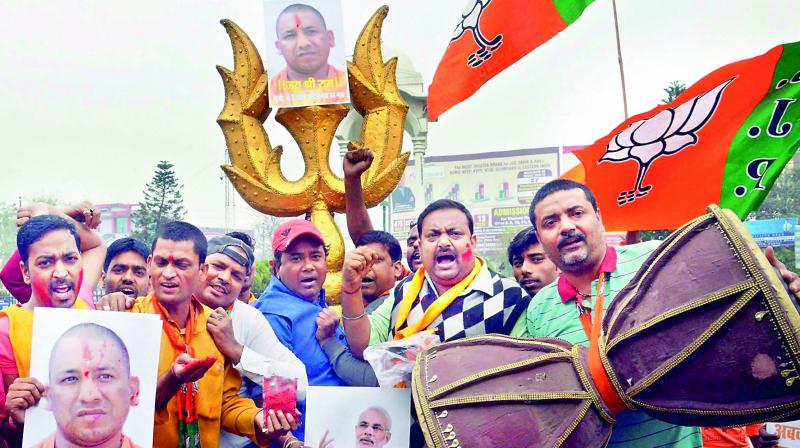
x=280 y=394
x=393 y=361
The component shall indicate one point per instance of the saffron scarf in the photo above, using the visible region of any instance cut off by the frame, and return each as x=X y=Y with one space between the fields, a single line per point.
x=186 y=398
x=436 y=308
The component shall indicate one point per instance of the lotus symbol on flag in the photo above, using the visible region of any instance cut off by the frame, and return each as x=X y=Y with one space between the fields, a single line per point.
x=470 y=21
x=664 y=134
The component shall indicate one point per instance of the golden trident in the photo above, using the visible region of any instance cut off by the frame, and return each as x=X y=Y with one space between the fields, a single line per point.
x=255 y=169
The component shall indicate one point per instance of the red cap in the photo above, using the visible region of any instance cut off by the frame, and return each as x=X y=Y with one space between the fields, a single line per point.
x=292 y=229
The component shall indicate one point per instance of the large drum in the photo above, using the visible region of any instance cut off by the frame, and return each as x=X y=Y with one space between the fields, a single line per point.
x=704 y=334
x=496 y=391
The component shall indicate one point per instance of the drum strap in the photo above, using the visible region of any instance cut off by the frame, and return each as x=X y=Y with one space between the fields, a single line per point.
x=597 y=371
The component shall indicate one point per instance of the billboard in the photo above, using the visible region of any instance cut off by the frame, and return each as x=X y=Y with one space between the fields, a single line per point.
x=773 y=232
x=497 y=188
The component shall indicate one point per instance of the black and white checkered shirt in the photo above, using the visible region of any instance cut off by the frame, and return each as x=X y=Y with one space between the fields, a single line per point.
x=490 y=304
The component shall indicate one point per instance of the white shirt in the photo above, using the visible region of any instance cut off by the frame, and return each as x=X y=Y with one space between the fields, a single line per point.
x=263 y=355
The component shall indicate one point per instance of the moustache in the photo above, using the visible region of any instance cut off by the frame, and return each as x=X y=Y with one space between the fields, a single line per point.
x=222 y=285
x=574 y=237
x=443 y=251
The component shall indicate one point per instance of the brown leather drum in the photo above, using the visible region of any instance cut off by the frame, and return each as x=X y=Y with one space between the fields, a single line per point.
x=705 y=334
x=498 y=391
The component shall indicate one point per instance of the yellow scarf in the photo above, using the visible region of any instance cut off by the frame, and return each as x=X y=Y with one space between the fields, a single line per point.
x=436 y=308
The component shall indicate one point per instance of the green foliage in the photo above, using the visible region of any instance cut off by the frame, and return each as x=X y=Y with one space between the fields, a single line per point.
x=782 y=201
x=8 y=229
x=660 y=235
x=162 y=203
x=673 y=90
x=784 y=198
x=499 y=262
x=261 y=277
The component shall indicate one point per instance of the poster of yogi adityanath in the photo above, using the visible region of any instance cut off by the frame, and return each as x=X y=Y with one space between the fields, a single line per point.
x=357 y=417
x=306 y=62
x=99 y=372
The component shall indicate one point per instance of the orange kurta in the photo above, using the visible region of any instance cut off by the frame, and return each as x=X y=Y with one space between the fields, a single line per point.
x=218 y=401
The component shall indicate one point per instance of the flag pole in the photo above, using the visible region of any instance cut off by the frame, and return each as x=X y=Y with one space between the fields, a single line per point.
x=619 y=58
x=631 y=236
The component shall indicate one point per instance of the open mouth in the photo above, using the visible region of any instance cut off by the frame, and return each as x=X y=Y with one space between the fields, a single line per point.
x=445 y=260
x=366 y=281
x=169 y=286
x=61 y=291
x=128 y=291
x=308 y=282
x=219 y=290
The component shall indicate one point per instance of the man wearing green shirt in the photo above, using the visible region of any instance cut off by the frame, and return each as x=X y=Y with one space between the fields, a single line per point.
x=570 y=229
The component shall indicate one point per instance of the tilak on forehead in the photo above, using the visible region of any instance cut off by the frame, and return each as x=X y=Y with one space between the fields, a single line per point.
x=89 y=361
x=297 y=21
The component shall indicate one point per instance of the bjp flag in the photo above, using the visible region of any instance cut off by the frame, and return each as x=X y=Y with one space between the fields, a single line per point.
x=491 y=35
x=723 y=141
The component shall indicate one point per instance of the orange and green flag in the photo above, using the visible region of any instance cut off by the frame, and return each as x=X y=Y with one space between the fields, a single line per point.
x=723 y=141
x=491 y=35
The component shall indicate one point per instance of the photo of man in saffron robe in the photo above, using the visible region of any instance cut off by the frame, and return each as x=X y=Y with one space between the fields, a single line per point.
x=93 y=380
x=304 y=64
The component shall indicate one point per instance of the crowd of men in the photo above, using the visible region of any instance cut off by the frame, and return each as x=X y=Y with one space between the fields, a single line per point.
x=219 y=341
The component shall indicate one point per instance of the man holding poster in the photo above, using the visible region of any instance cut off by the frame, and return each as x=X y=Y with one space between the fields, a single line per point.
x=304 y=41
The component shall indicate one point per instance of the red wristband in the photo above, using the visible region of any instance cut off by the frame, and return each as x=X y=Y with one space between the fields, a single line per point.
x=349 y=293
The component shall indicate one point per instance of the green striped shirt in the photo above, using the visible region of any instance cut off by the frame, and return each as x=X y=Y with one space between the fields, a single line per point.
x=549 y=317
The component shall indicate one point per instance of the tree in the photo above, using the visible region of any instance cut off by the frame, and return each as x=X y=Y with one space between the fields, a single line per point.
x=261 y=277
x=162 y=203
x=8 y=229
x=499 y=261
x=674 y=89
x=782 y=201
x=263 y=235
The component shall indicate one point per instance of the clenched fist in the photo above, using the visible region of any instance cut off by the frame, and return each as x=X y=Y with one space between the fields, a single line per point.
x=356 y=160
x=356 y=265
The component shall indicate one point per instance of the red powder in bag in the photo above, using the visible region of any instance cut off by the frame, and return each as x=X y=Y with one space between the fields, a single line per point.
x=280 y=394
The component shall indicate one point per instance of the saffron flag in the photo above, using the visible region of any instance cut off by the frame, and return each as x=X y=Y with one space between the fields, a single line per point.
x=491 y=35
x=724 y=141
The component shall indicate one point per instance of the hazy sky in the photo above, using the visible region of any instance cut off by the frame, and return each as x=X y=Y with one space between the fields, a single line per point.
x=95 y=93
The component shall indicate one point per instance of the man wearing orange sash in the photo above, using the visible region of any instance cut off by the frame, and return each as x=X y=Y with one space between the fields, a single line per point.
x=54 y=266
x=197 y=388
x=454 y=292
x=570 y=229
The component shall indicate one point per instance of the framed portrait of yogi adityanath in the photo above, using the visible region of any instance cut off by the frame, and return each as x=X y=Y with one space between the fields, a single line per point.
x=305 y=55
x=99 y=369
x=357 y=417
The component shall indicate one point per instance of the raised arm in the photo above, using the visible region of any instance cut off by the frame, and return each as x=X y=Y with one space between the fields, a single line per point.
x=356 y=162
x=93 y=251
x=357 y=325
